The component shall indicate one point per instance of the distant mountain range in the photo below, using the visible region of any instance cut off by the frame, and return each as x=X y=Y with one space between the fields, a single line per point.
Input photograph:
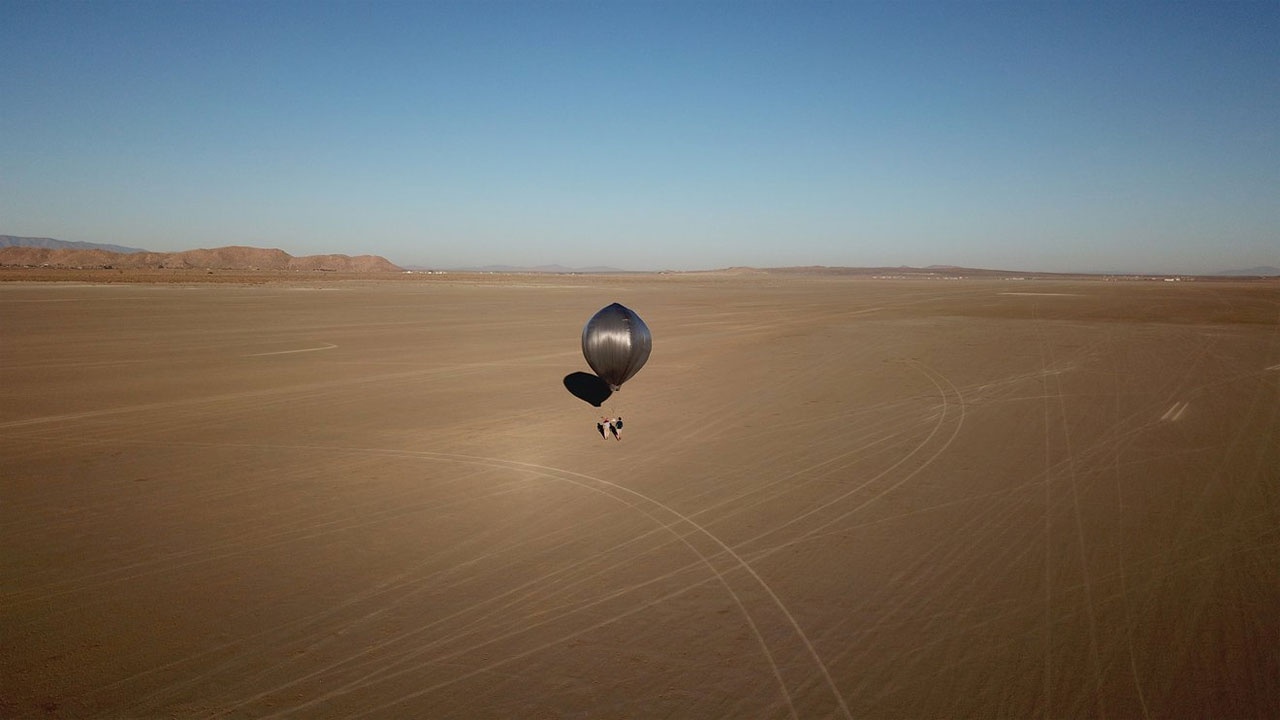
x=1260 y=271
x=51 y=244
x=39 y=251
x=553 y=269
x=46 y=252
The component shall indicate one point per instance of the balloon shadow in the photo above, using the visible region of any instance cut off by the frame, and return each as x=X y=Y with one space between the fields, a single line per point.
x=587 y=387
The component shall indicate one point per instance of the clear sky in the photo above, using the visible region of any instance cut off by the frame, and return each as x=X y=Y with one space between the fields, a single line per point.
x=651 y=135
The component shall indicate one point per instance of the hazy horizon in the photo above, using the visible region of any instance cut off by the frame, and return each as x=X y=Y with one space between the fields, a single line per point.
x=561 y=267
x=1052 y=137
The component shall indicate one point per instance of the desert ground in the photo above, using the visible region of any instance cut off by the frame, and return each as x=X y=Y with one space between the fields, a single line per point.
x=832 y=497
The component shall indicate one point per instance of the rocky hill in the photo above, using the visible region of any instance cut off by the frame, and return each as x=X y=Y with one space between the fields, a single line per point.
x=235 y=257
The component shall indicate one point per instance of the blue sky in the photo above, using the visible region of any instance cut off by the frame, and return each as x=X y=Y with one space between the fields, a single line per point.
x=652 y=135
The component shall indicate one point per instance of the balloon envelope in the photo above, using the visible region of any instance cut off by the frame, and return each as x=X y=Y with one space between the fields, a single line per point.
x=616 y=344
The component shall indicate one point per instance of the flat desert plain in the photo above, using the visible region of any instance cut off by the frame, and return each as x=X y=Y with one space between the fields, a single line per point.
x=832 y=498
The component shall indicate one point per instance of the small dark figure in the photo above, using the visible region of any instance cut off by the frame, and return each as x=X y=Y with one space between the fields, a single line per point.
x=615 y=427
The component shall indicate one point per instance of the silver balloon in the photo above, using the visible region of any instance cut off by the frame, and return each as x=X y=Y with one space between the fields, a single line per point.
x=616 y=344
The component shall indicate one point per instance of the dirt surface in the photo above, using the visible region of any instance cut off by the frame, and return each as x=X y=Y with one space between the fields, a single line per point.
x=832 y=498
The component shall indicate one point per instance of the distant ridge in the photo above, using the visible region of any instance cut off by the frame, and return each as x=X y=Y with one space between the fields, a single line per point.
x=50 y=243
x=235 y=257
x=551 y=269
x=1259 y=271
x=956 y=272
x=902 y=271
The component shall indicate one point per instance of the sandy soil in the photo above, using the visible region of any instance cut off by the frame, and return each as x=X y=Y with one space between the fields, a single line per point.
x=833 y=498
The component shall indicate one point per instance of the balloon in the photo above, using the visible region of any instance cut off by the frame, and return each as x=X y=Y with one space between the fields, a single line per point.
x=616 y=344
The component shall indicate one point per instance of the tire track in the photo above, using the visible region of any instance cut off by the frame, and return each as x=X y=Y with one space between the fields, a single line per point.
x=680 y=526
